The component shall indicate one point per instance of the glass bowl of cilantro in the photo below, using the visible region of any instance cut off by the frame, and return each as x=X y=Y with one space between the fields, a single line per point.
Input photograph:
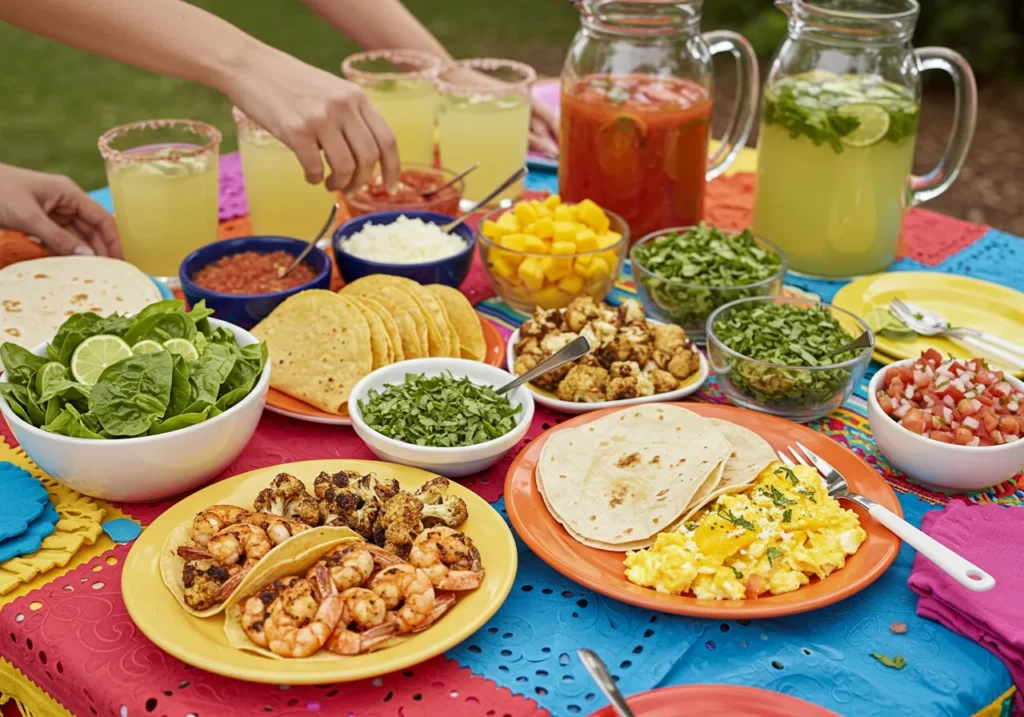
x=775 y=354
x=440 y=414
x=685 y=273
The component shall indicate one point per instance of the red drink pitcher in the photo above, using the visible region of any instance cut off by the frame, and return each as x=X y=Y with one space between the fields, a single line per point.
x=636 y=110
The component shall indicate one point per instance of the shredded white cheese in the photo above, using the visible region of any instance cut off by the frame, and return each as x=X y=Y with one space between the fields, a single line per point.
x=404 y=241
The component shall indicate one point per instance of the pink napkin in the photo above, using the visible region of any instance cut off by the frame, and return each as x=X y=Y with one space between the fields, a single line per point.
x=990 y=536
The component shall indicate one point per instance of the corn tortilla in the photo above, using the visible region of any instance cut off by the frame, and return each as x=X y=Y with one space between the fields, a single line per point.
x=464 y=320
x=380 y=344
x=411 y=319
x=389 y=324
x=436 y=321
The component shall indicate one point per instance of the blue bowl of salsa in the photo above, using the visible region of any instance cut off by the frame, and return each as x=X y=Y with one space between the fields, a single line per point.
x=238 y=277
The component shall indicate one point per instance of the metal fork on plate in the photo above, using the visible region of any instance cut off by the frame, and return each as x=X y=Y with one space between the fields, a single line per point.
x=960 y=569
x=928 y=323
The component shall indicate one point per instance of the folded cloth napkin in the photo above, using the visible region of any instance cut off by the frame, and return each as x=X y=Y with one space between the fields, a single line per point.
x=989 y=536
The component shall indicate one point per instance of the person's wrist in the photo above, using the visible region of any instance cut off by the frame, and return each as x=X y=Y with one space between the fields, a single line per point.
x=232 y=64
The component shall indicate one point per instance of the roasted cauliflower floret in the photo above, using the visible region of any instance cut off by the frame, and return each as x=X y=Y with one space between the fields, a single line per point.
x=580 y=312
x=542 y=323
x=553 y=343
x=599 y=333
x=203 y=581
x=627 y=381
x=585 y=384
x=288 y=497
x=398 y=524
x=631 y=311
x=529 y=346
x=668 y=338
x=353 y=501
x=440 y=508
x=662 y=380
x=631 y=343
x=683 y=363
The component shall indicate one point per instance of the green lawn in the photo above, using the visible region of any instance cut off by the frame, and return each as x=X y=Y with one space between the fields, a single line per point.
x=57 y=101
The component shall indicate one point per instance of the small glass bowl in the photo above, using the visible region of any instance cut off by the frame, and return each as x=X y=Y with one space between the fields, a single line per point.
x=503 y=269
x=446 y=202
x=690 y=305
x=799 y=393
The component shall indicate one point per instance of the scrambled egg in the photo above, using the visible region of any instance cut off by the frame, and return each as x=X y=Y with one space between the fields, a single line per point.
x=770 y=538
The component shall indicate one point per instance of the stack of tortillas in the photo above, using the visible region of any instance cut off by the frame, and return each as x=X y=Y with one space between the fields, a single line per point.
x=617 y=482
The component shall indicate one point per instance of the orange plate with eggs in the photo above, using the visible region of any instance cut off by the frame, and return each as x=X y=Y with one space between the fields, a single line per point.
x=603 y=571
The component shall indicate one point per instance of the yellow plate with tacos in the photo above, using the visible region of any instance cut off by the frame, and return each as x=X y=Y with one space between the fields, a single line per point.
x=214 y=639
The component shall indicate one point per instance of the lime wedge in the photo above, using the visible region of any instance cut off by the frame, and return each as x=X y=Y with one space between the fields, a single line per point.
x=49 y=372
x=874 y=124
x=182 y=347
x=147 y=346
x=884 y=323
x=95 y=354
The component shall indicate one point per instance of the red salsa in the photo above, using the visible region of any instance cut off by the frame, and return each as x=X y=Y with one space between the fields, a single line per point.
x=407 y=194
x=962 y=402
x=251 y=272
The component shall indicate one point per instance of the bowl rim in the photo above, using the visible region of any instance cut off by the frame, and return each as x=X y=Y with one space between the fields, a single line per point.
x=779 y=275
x=186 y=279
x=920 y=440
x=485 y=448
x=258 y=389
x=616 y=247
x=859 y=358
x=459 y=186
x=337 y=240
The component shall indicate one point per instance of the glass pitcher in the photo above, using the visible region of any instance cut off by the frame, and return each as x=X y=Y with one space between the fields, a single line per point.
x=636 y=109
x=838 y=124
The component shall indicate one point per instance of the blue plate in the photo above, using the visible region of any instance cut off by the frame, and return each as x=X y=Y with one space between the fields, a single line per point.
x=165 y=293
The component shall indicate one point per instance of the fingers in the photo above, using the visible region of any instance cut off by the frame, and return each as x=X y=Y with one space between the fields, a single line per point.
x=364 y=148
x=56 y=237
x=387 y=146
x=307 y=150
x=94 y=225
x=542 y=143
x=339 y=157
x=543 y=116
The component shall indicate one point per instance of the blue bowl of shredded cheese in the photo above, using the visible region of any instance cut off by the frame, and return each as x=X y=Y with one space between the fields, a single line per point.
x=405 y=243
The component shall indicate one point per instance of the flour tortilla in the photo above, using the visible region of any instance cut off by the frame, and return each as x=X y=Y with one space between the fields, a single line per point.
x=319 y=348
x=623 y=478
x=750 y=455
x=38 y=295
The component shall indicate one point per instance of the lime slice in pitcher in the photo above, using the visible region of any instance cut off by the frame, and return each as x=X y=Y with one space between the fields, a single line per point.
x=874 y=124
x=95 y=354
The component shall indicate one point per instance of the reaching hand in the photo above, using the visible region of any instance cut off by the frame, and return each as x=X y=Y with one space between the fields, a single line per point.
x=55 y=210
x=543 y=130
x=311 y=110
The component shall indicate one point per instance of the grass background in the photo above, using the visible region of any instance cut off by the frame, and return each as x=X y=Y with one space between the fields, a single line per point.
x=57 y=101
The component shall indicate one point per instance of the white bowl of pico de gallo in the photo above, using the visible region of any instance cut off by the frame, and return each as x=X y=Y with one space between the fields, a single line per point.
x=953 y=424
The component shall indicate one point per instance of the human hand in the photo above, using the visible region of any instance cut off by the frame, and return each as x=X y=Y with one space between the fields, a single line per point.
x=56 y=211
x=310 y=111
x=543 y=130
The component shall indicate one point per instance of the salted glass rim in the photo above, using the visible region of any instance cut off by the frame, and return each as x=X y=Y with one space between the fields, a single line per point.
x=430 y=65
x=485 y=64
x=202 y=130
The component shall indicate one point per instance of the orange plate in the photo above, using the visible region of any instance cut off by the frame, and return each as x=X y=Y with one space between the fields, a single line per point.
x=603 y=571
x=717 y=701
x=290 y=406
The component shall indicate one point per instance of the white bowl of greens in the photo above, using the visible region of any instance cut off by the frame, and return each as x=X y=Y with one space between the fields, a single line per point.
x=136 y=408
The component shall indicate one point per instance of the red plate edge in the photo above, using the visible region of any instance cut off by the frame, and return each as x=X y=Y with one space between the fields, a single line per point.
x=717 y=701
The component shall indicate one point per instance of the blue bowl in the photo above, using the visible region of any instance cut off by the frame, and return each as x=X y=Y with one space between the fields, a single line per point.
x=451 y=270
x=247 y=310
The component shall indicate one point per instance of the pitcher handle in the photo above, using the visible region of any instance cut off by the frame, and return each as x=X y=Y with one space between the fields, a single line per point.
x=745 y=104
x=965 y=116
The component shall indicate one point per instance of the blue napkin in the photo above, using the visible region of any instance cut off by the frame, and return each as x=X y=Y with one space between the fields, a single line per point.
x=30 y=541
x=24 y=500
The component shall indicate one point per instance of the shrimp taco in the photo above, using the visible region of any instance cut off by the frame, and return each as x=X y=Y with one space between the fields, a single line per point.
x=339 y=599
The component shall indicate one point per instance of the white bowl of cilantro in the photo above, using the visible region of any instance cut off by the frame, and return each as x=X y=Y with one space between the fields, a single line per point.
x=440 y=414
x=137 y=408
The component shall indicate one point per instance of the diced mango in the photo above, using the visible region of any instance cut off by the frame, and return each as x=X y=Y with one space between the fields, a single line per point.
x=544 y=228
x=552 y=201
x=571 y=285
x=508 y=221
x=503 y=263
x=535 y=245
x=608 y=239
x=550 y=297
x=563 y=247
x=610 y=258
x=564 y=213
x=586 y=240
x=530 y=228
x=565 y=231
x=581 y=265
x=531 y=271
x=556 y=268
x=491 y=230
x=598 y=269
x=592 y=215
x=525 y=213
x=516 y=241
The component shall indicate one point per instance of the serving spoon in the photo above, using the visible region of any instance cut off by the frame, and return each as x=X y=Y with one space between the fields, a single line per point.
x=861 y=342
x=515 y=177
x=577 y=348
x=468 y=170
x=599 y=672
x=313 y=243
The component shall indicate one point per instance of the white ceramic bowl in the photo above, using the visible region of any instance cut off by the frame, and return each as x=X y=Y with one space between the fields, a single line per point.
x=943 y=465
x=577 y=407
x=136 y=470
x=449 y=462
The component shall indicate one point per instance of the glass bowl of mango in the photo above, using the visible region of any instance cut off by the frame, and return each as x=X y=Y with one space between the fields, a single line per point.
x=541 y=252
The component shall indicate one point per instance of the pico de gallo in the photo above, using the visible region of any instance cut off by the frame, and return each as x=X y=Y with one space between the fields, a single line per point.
x=953 y=401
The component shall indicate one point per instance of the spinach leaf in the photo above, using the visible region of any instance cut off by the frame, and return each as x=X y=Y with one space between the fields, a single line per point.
x=114 y=324
x=53 y=408
x=181 y=389
x=200 y=317
x=131 y=395
x=160 y=327
x=17 y=398
x=77 y=328
x=168 y=306
x=64 y=389
x=69 y=423
x=210 y=370
x=20 y=363
x=175 y=423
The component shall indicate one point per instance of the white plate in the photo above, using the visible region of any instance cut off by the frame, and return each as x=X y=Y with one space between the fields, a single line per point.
x=333 y=421
x=574 y=407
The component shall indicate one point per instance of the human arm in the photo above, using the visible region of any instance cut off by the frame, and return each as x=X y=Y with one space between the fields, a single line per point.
x=306 y=108
x=387 y=24
x=56 y=211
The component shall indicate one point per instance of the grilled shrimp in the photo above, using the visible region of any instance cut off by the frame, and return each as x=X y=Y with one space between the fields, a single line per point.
x=278 y=529
x=297 y=625
x=449 y=559
x=236 y=548
x=407 y=594
x=214 y=519
x=363 y=623
x=256 y=610
x=350 y=565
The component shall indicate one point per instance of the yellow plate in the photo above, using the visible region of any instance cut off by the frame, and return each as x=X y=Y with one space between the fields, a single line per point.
x=201 y=643
x=961 y=300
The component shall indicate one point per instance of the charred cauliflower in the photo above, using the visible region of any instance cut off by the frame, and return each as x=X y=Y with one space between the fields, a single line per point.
x=440 y=508
x=353 y=501
x=398 y=524
x=288 y=497
x=627 y=381
x=662 y=380
x=585 y=384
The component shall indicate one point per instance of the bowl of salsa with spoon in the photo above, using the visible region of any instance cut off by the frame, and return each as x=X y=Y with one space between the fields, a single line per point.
x=414 y=180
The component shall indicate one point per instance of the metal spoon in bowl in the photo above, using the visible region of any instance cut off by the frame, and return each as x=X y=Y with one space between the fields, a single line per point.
x=309 y=247
x=577 y=348
x=861 y=342
x=596 y=667
x=468 y=170
x=516 y=176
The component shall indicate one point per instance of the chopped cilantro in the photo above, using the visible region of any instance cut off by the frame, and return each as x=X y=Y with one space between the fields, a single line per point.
x=737 y=573
x=787 y=515
x=690 y=525
x=809 y=494
x=896 y=662
x=778 y=497
x=773 y=555
x=788 y=474
x=736 y=520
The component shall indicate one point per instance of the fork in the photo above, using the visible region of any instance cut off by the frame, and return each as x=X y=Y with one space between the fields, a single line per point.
x=959 y=568
x=927 y=323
